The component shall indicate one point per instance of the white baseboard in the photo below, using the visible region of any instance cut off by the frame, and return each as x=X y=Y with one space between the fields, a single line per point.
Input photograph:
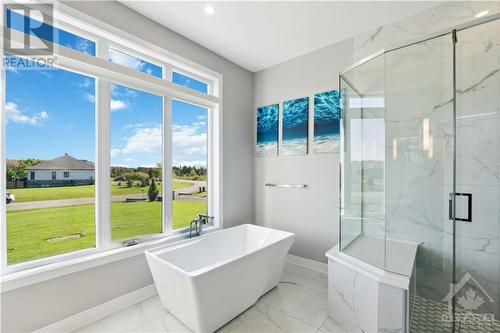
x=307 y=263
x=100 y=311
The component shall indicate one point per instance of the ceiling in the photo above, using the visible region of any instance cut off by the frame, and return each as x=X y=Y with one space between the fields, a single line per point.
x=257 y=35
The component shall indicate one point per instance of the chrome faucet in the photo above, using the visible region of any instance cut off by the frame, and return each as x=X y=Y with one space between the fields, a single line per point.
x=195 y=228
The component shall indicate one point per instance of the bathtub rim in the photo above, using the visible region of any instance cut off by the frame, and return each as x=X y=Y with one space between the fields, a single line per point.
x=154 y=253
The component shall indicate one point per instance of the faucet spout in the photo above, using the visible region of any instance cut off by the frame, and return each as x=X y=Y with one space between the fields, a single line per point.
x=195 y=228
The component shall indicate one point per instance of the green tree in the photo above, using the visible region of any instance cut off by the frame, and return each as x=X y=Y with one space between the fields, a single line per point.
x=153 y=191
x=17 y=169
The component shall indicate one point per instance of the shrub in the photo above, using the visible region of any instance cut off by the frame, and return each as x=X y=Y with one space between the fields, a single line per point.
x=153 y=191
x=130 y=183
x=136 y=176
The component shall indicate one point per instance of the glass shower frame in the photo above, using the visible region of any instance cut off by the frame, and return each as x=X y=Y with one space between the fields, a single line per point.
x=355 y=219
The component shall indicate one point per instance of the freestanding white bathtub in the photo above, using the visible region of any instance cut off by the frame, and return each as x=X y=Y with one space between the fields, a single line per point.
x=207 y=281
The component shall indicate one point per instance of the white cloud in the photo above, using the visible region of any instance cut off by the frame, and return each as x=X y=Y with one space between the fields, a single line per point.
x=189 y=142
x=115 y=152
x=139 y=125
x=86 y=83
x=90 y=97
x=126 y=60
x=82 y=45
x=144 y=140
x=118 y=104
x=14 y=114
x=121 y=91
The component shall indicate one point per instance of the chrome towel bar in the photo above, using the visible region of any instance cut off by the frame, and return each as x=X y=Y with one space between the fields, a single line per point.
x=286 y=185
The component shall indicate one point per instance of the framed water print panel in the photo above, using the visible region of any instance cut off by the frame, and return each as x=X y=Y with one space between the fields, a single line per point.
x=327 y=122
x=267 y=130
x=295 y=126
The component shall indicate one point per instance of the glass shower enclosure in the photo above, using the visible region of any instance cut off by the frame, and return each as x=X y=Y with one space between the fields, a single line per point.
x=420 y=165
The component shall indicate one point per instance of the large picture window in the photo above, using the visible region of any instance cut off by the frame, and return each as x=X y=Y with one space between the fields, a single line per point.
x=97 y=154
x=50 y=127
x=136 y=163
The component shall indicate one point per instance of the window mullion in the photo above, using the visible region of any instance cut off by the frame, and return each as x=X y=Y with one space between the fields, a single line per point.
x=103 y=156
x=167 y=165
x=103 y=193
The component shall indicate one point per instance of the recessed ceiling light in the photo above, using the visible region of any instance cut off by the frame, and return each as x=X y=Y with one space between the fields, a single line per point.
x=210 y=10
x=481 y=14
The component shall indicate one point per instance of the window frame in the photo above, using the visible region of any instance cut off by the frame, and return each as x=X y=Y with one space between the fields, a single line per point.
x=104 y=72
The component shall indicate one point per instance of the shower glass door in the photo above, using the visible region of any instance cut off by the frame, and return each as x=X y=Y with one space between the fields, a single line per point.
x=419 y=173
x=477 y=178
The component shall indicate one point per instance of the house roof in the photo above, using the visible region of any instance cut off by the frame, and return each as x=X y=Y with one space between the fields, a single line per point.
x=65 y=162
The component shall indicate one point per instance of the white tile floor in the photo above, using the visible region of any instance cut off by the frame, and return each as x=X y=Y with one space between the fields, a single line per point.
x=298 y=304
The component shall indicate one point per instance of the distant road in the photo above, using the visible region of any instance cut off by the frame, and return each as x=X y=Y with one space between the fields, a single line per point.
x=194 y=187
x=66 y=202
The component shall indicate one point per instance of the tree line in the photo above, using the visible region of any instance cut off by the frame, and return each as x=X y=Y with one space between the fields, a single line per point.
x=189 y=171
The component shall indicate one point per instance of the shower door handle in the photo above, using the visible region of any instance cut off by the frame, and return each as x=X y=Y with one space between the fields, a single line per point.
x=468 y=196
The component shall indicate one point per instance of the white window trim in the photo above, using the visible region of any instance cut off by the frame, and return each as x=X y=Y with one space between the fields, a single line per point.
x=105 y=72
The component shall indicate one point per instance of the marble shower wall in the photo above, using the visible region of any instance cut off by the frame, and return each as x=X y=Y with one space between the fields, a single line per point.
x=435 y=19
x=418 y=182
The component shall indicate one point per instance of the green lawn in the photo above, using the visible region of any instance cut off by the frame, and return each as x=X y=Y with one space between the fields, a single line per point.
x=71 y=192
x=39 y=233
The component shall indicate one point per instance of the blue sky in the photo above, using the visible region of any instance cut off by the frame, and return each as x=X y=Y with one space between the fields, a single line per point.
x=50 y=112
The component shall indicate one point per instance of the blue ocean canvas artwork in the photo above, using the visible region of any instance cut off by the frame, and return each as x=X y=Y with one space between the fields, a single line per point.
x=295 y=126
x=327 y=122
x=267 y=130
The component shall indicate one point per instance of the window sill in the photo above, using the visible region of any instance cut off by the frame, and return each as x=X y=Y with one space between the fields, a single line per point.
x=38 y=274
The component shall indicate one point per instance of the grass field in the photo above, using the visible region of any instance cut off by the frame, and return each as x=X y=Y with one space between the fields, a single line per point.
x=72 y=192
x=39 y=233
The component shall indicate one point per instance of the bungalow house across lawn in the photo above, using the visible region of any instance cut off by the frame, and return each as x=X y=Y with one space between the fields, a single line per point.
x=62 y=171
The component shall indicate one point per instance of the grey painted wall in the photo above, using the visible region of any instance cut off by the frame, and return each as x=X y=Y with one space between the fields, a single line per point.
x=38 y=305
x=312 y=213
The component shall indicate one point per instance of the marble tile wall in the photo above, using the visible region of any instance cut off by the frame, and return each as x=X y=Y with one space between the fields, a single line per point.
x=360 y=303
